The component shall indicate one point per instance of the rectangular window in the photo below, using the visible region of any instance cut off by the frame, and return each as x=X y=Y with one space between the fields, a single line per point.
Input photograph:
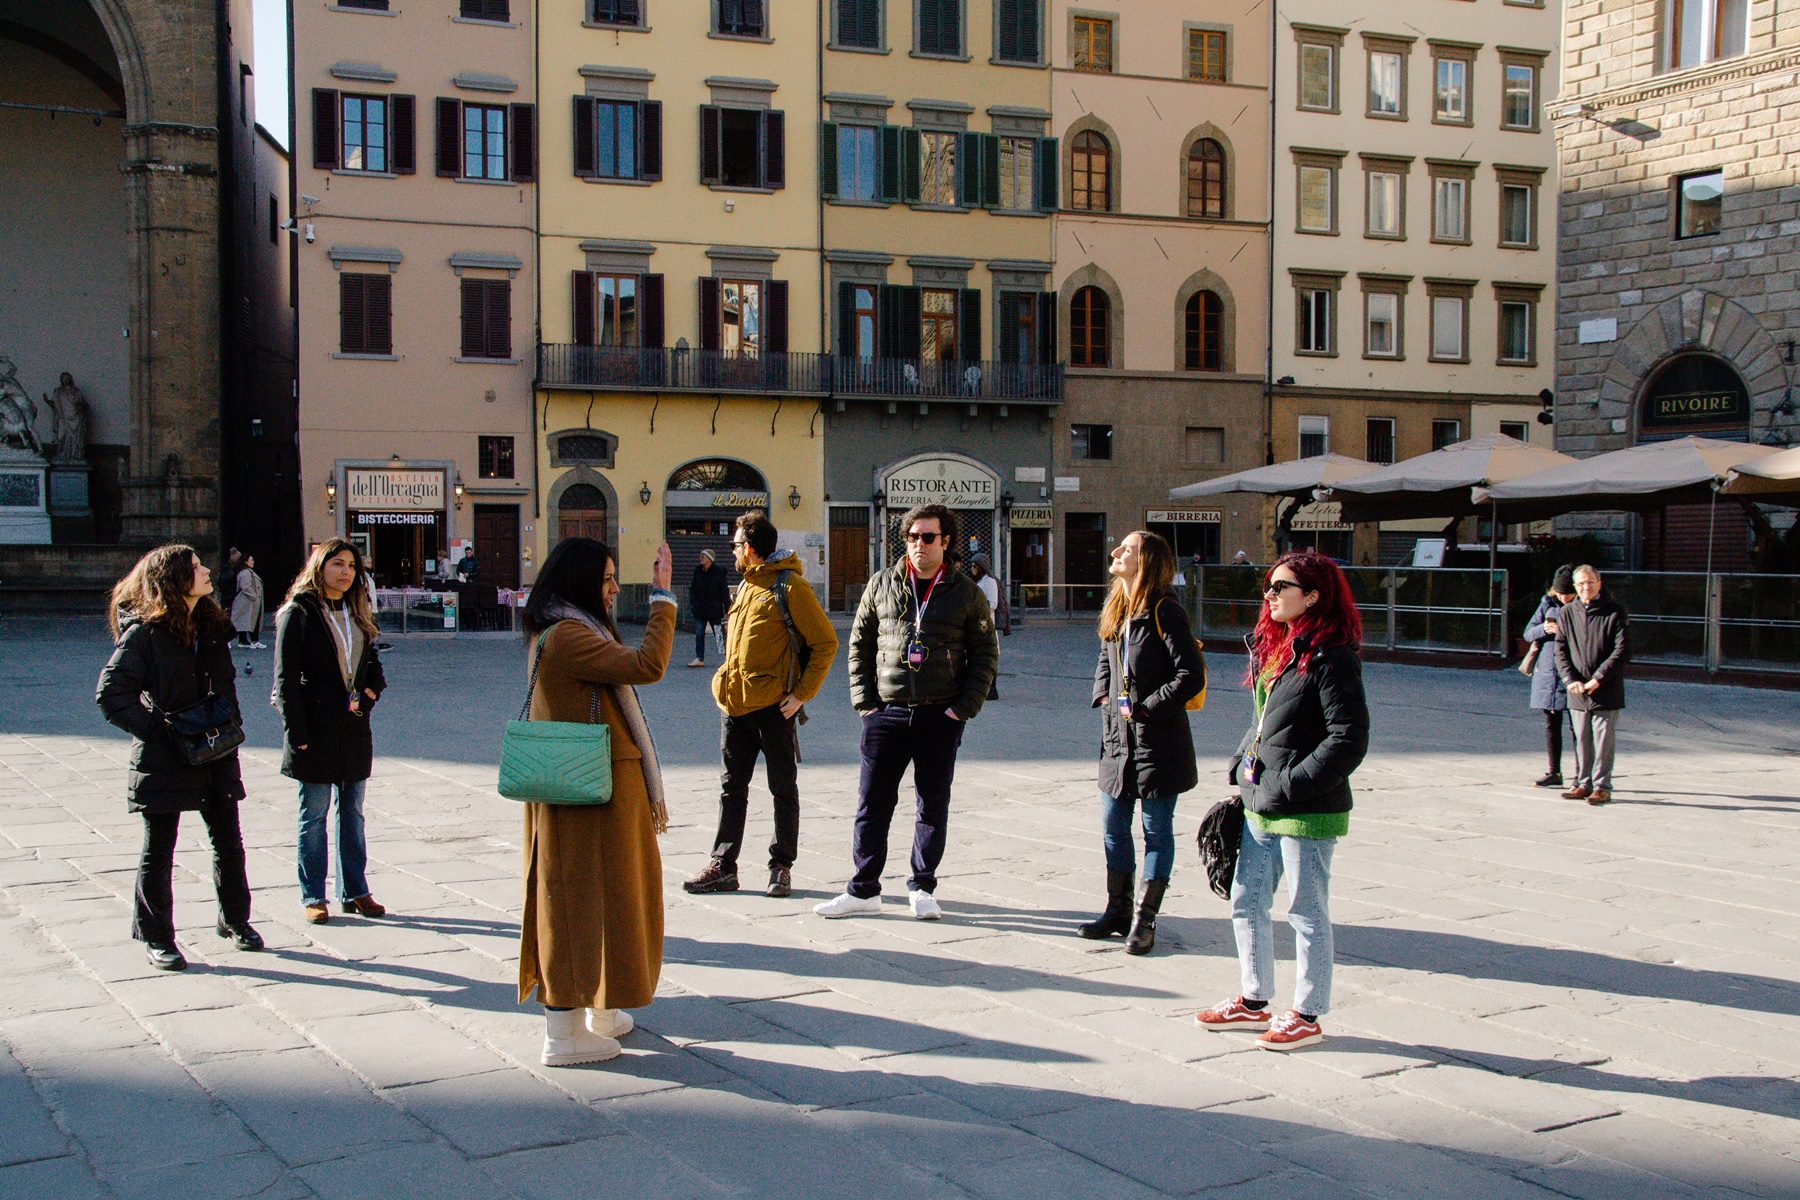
x=741 y=18
x=1699 y=204
x=1206 y=55
x=1515 y=215
x=1449 y=315
x=1315 y=436
x=486 y=318
x=616 y=314
x=494 y=458
x=1518 y=99
x=484 y=141
x=616 y=136
x=1384 y=204
x=1092 y=442
x=1091 y=44
x=1386 y=75
x=1315 y=321
x=937 y=167
x=1379 y=440
x=1518 y=431
x=1445 y=432
x=1449 y=209
x=365 y=313
x=856 y=162
x=937 y=325
x=740 y=147
x=1451 y=103
x=1204 y=445
x=1383 y=325
x=1318 y=77
x=617 y=12
x=371 y=5
x=740 y=315
x=1703 y=31
x=1017 y=35
x=862 y=316
x=1318 y=198
x=1518 y=321
x=365 y=133
x=486 y=10
x=859 y=23
x=1018 y=167
x=940 y=26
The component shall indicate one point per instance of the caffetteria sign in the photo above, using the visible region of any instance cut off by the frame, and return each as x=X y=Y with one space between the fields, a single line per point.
x=391 y=490
x=947 y=481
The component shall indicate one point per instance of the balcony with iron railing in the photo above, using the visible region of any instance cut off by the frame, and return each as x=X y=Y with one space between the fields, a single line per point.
x=665 y=369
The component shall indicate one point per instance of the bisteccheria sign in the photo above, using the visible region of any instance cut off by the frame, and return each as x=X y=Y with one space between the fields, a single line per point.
x=947 y=481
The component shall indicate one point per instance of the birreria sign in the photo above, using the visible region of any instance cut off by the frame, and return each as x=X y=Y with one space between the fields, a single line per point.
x=394 y=490
x=947 y=481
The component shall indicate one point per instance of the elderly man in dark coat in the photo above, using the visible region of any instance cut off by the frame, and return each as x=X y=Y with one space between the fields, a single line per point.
x=1591 y=654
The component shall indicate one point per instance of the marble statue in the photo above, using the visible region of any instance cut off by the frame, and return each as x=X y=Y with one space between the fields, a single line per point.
x=18 y=411
x=68 y=407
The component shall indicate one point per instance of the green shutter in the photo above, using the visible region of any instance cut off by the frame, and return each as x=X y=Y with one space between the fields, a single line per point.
x=968 y=324
x=990 y=170
x=911 y=151
x=968 y=170
x=828 y=164
x=887 y=183
x=1049 y=175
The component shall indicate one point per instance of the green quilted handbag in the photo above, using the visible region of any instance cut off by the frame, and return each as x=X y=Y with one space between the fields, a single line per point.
x=556 y=762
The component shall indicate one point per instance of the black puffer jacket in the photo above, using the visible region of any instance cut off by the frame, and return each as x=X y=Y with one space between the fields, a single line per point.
x=1315 y=732
x=1595 y=644
x=961 y=652
x=1153 y=753
x=313 y=701
x=149 y=659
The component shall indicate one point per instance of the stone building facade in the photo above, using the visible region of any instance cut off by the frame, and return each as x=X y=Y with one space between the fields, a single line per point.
x=1680 y=155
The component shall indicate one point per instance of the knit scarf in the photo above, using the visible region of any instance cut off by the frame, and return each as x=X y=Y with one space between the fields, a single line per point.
x=627 y=699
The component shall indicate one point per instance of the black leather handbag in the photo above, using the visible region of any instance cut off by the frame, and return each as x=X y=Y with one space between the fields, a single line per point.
x=203 y=732
x=1221 y=831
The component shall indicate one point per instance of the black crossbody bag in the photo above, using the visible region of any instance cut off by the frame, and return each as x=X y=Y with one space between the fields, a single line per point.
x=203 y=732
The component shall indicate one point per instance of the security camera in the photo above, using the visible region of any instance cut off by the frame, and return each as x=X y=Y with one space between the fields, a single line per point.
x=310 y=238
x=309 y=199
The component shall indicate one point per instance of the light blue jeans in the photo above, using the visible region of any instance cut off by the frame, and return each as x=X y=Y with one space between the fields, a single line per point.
x=1159 y=836
x=1262 y=859
x=353 y=851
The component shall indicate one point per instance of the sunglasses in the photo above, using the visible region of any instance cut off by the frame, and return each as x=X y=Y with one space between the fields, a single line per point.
x=1277 y=586
x=924 y=539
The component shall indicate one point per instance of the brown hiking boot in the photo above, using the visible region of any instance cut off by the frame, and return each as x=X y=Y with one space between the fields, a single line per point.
x=714 y=877
x=1577 y=793
x=1600 y=796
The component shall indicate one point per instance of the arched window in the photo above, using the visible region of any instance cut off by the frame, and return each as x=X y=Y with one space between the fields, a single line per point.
x=1205 y=332
x=1090 y=320
x=1090 y=157
x=1206 y=179
x=717 y=475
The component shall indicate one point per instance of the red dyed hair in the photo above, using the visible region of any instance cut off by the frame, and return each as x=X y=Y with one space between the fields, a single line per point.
x=1332 y=621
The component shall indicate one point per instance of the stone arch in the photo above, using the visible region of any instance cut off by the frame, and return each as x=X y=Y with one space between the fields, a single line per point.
x=1114 y=162
x=1092 y=275
x=1206 y=129
x=1694 y=320
x=571 y=478
x=1205 y=280
x=116 y=17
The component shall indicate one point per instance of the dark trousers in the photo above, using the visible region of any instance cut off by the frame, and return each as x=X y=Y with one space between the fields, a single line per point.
x=154 y=918
x=700 y=628
x=1553 y=739
x=741 y=739
x=893 y=737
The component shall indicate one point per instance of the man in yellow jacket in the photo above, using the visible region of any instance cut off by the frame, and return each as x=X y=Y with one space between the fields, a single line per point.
x=778 y=650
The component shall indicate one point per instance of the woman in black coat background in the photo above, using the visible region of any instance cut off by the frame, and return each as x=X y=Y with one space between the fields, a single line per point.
x=327 y=678
x=172 y=645
x=1150 y=667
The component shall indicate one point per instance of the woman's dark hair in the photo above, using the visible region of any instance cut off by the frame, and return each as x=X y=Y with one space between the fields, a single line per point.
x=574 y=573
x=759 y=533
x=1333 y=621
x=155 y=592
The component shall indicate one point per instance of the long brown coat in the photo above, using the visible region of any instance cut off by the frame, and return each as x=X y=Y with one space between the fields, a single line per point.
x=592 y=932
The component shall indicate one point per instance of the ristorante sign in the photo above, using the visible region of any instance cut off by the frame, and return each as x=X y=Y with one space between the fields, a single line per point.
x=947 y=481
x=389 y=489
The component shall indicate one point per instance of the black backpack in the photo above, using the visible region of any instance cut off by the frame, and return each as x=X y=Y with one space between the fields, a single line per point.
x=1221 y=832
x=802 y=653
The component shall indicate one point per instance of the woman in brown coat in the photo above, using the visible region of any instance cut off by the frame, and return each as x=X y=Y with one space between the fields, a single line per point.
x=591 y=935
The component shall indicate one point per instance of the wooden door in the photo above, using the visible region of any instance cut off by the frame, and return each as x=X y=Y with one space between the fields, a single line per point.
x=849 y=553
x=1031 y=567
x=1084 y=536
x=497 y=544
x=581 y=513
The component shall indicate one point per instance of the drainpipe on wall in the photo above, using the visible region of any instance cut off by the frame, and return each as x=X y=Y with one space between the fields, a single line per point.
x=1269 y=323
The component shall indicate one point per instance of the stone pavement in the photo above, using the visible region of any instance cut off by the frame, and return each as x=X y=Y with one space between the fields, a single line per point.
x=1533 y=998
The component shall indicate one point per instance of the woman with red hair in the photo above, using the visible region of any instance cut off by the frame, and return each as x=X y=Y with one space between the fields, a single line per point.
x=1293 y=771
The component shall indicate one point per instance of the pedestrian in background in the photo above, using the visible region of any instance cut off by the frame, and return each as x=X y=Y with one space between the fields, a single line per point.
x=591 y=934
x=1150 y=667
x=776 y=659
x=172 y=649
x=709 y=594
x=327 y=679
x=922 y=658
x=247 y=605
x=1547 y=692
x=225 y=582
x=990 y=591
x=1310 y=731
x=1591 y=653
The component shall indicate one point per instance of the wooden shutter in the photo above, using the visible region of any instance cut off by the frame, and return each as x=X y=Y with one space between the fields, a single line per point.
x=990 y=170
x=1049 y=175
x=585 y=147
x=846 y=315
x=931 y=27
x=710 y=170
x=325 y=130
x=910 y=167
x=524 y=142
x=474 y=318
x=775 y=316
x=583 y=308
x=650 y=140
x=404 y=134
x=710 y=332
x=1046 y=327
x=1008 y=334
x=449 y=137
x=968 y=324
x=968 y=170
x=828 y=160
x=651 y=324
x=378 y=294
x=774 y=145
x=1019 y=30
x=887 y=322
x=887 y=181
x=352 y=315
x=499 y=318
x=906 y=303
x=1008 y=20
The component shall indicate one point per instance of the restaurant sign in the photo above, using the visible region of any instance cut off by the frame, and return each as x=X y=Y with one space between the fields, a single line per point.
x=694 y=498
x=1030 y=516
x=1183 y=516
x=947 y=481
x=389 y=489
x=1696 y=390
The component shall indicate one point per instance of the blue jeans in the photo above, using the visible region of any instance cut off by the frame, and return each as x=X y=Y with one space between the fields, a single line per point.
x=1159 y=835
x=353 y=852
x=1262 y=858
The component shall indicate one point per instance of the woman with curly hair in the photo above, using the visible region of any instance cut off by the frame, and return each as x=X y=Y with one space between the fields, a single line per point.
x=172 y=649
x=1310 y=731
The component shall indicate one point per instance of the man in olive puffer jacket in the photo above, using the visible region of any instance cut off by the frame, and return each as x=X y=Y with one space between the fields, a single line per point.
x=922 y=659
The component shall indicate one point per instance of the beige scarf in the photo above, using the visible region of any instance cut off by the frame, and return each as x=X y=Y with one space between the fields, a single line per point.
x=627 y=699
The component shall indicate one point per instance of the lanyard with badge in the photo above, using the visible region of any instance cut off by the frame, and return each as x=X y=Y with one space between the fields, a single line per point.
x=915 y=644
x=1124 y=670
x=342 y=636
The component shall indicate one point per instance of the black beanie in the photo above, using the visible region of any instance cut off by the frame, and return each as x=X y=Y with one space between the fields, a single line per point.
x=1564 y=582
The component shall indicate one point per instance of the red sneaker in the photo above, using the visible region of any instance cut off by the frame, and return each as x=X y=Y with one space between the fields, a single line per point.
x=1232 y=1014
x=1290 y=1032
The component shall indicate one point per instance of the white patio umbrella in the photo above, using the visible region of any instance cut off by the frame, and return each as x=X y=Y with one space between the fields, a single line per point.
x=1774 y=479
x=1440 y=484
x=1297 y=478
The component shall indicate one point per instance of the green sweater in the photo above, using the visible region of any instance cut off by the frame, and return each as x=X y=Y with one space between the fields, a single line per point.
x=1307 y=825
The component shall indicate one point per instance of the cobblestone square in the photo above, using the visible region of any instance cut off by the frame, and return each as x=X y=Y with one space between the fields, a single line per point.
x=1534 y=998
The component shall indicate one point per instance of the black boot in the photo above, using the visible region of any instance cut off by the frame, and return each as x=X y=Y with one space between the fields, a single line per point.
x=1117 y=917
x=1143 y=930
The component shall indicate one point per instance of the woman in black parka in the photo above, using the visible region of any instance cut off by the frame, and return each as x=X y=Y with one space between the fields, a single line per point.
x=172 y=646
x=327 y=678
x=1150 y=667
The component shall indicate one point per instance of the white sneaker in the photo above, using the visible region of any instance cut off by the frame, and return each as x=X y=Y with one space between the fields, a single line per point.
x=847 y=905
x=567 y=1041
x=612 y=1023
x=259 y=645
x=924 y=906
